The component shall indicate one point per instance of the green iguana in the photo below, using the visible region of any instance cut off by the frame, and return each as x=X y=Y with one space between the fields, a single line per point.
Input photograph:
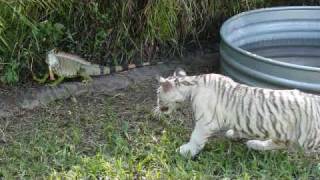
x=66 y=65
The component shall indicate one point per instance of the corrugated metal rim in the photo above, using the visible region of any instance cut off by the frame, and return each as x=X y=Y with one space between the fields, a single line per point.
x=267 y=60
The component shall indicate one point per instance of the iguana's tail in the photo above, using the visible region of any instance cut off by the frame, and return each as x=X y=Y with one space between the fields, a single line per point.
x=95 y=70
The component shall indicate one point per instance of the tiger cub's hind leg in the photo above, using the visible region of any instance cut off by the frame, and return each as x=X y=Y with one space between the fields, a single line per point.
x=265 y=145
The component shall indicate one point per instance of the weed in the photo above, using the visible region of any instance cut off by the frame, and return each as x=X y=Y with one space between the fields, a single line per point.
x=11 y=73
x=106 y=32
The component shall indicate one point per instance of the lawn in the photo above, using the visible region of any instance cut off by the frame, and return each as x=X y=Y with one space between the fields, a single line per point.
x=96 y=136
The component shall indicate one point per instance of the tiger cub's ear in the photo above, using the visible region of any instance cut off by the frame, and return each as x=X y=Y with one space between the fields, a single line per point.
x=179 y=72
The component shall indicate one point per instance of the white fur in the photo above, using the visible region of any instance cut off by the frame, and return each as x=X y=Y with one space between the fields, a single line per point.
x=271 y=119
x=264 y=145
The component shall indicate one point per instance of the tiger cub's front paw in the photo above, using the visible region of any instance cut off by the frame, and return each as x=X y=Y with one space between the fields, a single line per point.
x=188 y=149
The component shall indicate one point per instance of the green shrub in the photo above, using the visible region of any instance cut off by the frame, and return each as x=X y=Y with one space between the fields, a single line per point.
x=105 y=31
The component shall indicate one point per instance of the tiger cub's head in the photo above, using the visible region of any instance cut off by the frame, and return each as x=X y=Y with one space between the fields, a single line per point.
x=169 y=95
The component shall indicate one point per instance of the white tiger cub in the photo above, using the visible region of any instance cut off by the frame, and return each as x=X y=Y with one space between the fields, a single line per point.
x=270 y=119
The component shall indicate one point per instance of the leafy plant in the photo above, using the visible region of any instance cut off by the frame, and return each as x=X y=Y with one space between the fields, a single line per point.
x=106 y=31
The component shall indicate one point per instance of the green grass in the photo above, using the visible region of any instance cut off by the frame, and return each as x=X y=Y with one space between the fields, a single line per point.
x=112 y=144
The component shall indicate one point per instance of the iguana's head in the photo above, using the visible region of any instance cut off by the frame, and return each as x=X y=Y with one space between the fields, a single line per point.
x=51 y=59
x=52 y=62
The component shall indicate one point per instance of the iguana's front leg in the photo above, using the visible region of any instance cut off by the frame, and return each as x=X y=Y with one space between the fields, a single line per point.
x=56 y=82
x=51 y=75
x=40 y=80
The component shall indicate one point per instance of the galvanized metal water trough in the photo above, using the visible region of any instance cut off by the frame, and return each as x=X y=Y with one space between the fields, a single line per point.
x=277 y=48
